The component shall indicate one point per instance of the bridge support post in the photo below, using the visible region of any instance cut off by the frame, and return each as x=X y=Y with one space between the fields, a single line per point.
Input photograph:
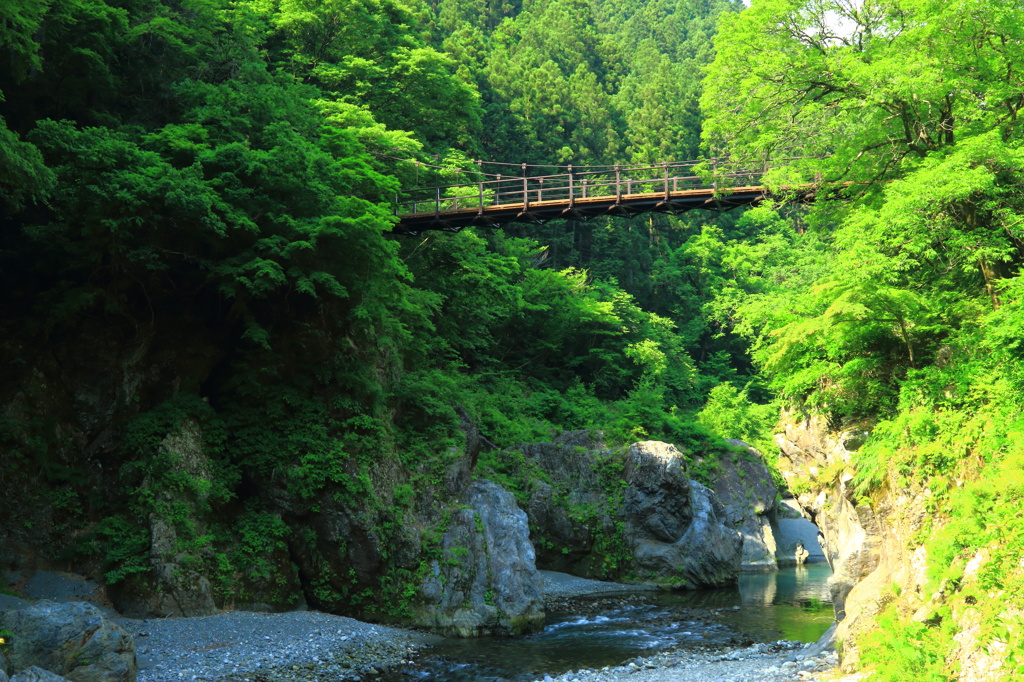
x=526 y=196
x=618 y=184
x=437 y=202
x=665 y=164
x=571 y=198
x=480 y=172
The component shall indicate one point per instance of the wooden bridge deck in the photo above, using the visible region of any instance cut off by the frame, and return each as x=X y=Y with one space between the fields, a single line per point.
x=447 y=215
x=493 y=200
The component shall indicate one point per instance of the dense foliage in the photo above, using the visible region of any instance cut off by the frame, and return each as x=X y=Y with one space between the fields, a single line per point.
x=195 y=240
x=900 y=306
x=194 y=230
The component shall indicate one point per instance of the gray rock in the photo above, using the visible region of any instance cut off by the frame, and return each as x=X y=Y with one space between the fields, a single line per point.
x=677 y=527
x=3 y=675
x=657 y=503
x=9 y=603
x=344 y=544
x=563 y=535
x=36 y=674
x=5 y=666
x=72 y=639
x=825 y=644
x=746 y=489
x=486 y=582
x=791 y=530
x=173 y=588
x=176 y=586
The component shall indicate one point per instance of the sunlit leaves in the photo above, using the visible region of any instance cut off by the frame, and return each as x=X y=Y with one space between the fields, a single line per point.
x=862 y=90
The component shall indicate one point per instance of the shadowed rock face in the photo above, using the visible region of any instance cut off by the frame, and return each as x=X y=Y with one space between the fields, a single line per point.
x=564 y=539
x=34 y=674
x=676 y=527
x=71 y=639
x=744 y=486
x=486 y=581
x=669 y=528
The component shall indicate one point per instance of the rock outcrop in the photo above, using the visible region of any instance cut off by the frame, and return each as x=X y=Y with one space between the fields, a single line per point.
x=792 y=532
x=676 y=526
x=70 y=639
x=870 y=544
x=604 y=514
x=485 y=581
x=744 y=486
x=176 y=585
x=571 y=511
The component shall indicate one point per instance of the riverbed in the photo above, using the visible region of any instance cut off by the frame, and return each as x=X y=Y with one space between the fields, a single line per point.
x=594 y=632
x=597 y=632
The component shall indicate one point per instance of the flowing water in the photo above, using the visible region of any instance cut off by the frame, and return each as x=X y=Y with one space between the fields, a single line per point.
x=792 y=603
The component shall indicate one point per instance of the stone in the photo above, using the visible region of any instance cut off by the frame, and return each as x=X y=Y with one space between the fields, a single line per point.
x=72 y=639
x=9 y=603
x=676 y=526
x=791 y=530
x=825 y=644
x=36 y=674
x=564 y=540
x=173 y=588
x=800 y=553
x=745 y=487
x=486 y=582
x=176 y=586
x=871 y=545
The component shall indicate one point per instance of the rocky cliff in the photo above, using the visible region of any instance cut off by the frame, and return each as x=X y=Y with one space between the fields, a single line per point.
x=638 y=513
x=876 y=546
x=457 y=554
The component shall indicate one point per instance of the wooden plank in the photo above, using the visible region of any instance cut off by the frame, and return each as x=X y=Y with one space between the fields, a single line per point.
x=588 y=201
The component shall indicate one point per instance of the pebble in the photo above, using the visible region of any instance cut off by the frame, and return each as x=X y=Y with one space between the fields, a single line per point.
x=310 y=646
x=302 y=645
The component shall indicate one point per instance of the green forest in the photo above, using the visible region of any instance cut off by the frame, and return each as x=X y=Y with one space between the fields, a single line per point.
x=195 y=224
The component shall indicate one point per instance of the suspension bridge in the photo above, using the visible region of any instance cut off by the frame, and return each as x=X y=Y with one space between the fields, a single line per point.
x=583 y=194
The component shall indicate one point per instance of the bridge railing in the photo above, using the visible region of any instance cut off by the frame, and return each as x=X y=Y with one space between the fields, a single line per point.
x=569 y=188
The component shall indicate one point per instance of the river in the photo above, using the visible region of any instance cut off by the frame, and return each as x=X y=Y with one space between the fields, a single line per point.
x=791 y=604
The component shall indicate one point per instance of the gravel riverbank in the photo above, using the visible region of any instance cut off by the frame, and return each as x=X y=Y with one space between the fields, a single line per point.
x=319 y=647
x=300 y=645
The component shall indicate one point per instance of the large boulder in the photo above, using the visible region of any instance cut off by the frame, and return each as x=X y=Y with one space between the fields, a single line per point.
x=485 y=581
x=676 y=527
x=35 y=674
x=177 y=584
x=571 y=512
x=70 y=639
x=745 y=487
